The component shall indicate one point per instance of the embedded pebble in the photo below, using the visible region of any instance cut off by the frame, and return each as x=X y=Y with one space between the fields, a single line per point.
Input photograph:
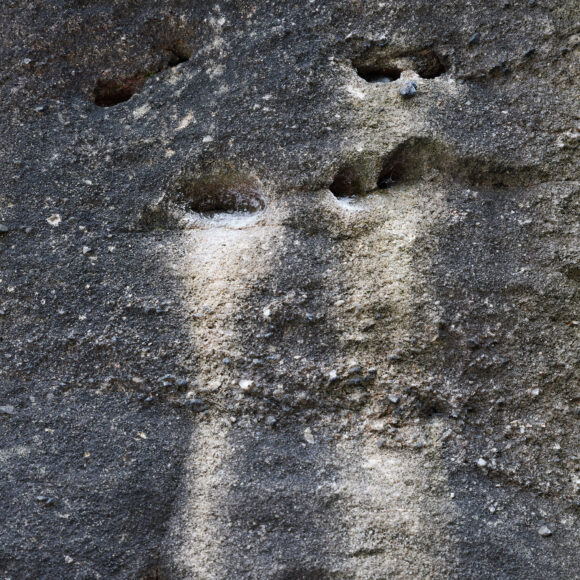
x=408 y=90
x=54 y=220
x=246 y=385
x=474 y=38
x=4 y=229
x=481 y=462
x=308 y=437
x=7 y=410
x=545 y=531
x=47 y=501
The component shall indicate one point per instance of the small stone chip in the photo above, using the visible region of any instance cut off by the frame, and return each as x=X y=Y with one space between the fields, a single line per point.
x=545 y=531
x=308 y=437
x=47 y=501
x=474 y=38
x=481 y=462
x=4 y=229
x=7 y=410
x=246 y=385
x=54 y=220
x=408 y=90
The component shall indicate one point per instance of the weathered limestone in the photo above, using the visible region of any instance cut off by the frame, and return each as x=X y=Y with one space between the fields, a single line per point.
x=263 y=317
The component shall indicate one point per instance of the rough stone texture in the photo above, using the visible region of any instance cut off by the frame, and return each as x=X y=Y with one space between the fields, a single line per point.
x=225 y=353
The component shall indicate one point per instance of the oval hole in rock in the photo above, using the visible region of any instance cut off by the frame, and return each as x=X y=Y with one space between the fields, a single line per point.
x=347 y=183
x=378 y=74
x=111 y=92
x=223 y=194
x=376 y=65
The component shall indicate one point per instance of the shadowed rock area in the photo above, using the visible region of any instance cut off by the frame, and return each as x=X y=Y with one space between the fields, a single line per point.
x=289 y=290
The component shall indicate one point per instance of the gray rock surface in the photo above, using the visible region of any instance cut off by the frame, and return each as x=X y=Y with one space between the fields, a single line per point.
x=261 y=317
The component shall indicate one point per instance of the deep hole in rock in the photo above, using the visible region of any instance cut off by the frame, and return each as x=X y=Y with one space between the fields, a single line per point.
x=223 y=194
x=347 y=183
x=378 y=74
x=111 y=92
x=376 y=66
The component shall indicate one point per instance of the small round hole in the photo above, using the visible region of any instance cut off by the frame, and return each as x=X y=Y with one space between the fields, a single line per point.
x=347 y=183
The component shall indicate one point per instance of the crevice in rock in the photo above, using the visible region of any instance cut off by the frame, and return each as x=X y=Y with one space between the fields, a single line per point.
x=109 y=92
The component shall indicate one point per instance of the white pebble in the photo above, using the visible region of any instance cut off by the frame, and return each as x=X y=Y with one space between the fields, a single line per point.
x=54 y=220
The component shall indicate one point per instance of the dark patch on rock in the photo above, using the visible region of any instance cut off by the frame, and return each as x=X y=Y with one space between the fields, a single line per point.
x=347 y=183
x=379 y=64
x=110 y=92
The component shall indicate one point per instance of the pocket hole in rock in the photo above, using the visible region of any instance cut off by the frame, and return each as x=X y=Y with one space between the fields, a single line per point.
x=177 y=53
x=226 y=200
x=347 y=183
x=223 y=194
x=378 y=74
x=375 y=66
x=110 y=92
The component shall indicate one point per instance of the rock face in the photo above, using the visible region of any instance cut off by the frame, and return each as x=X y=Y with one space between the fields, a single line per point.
x=267 y=314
